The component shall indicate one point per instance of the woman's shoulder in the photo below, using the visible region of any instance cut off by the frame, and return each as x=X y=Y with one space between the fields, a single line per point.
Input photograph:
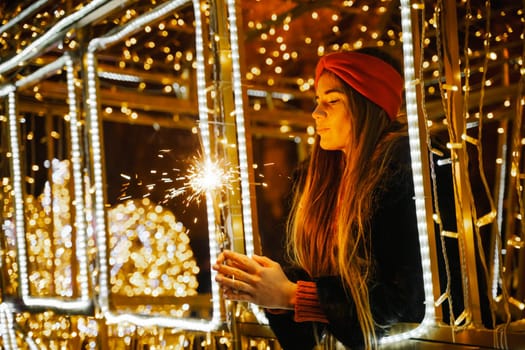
x=398 y=163
x=400 y=151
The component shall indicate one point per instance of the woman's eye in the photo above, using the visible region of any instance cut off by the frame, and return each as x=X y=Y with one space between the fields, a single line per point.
x=333 y=101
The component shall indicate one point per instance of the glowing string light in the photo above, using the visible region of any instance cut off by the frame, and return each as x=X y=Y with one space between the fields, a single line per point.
x=95 y=127
x=241 y=144
x=241 y=131
x=57 y=31
x=84 y=301
x=7 y=329
x=22 y=15
x=6 y=89
x=415 y=154
x=150 y=249
x=205 y=137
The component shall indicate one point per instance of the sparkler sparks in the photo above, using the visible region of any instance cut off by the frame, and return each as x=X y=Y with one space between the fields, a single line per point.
x=199 y=175
x=205 y=175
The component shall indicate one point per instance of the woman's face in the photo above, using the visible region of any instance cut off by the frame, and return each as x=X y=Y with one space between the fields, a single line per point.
x=332 y=113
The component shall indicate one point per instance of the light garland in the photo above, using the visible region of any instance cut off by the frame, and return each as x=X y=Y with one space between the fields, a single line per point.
x=6 y=89
x=204 y=132
x=9 y=91
x=241 y=132
x=18 y=199
x=7 y=329
x=84 y=301
x=49 y=36
x=241 y=144
x=99 y=216
x=415 y=155
x=22 y=15
x=78 y=200
x=491 y=216
x=151 y=250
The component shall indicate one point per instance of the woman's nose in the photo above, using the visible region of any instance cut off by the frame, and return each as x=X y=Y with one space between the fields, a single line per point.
x=318 y=112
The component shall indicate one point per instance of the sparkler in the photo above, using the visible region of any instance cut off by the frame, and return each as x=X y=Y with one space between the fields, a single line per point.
x=205 y=175
x=201 y=177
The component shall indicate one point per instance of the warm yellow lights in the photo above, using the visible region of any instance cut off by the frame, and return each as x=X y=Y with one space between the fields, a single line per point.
x=284 y=129
x=279 y=46
x=99 y=214
x=151 y=251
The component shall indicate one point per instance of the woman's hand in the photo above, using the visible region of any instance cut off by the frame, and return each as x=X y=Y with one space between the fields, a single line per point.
x=258 y=280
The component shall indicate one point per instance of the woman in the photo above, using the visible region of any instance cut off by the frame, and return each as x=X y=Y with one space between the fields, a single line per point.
x=353 y=234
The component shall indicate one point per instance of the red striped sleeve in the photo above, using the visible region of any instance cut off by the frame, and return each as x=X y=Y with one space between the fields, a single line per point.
x=307 y=307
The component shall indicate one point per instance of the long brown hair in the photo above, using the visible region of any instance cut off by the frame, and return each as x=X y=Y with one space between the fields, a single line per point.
x=330 y=218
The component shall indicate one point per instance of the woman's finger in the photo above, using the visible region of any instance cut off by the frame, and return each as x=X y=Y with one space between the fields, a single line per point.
x=233 y=282
x=220 y=259
x=240 y=261
x=262 y=260
x=233 y=294
x=230 y=271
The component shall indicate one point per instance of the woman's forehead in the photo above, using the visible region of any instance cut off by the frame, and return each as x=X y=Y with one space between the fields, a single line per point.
x=329 y=83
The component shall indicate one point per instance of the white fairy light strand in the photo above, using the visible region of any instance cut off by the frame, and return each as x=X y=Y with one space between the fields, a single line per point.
x=7 y=328
x=6 y=89
x=94 y=127
x=18 y=199
x=84 y=302
x=94 y=123
x=76 y=164
x=415 y=153
x=52 y=34
x=43 y=72
x=135 y=25
x=206 y=142
x=22 y=15
x=241 y=144
x=241 y=132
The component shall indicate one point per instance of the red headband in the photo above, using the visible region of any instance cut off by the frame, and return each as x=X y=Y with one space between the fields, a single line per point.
x=370 y=76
